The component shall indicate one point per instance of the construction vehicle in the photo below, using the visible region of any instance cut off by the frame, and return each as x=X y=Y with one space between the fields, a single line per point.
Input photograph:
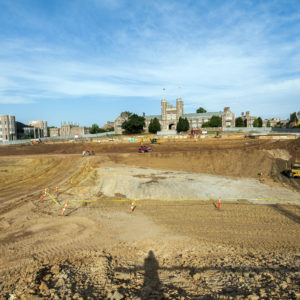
x=145 y=139
x=88 y=152
x=294 y=170
x=155 y=141
x=143 y=149
x=36 y=141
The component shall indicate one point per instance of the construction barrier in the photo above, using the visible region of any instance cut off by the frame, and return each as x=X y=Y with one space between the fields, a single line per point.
x=45 y=193
x=219 y=204
x=54 y=200
x=185 y=199
x=132 y=206
x=64 y=208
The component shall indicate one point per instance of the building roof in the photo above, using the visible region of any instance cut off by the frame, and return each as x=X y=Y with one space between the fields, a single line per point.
x=153 y=116
x=207 y=114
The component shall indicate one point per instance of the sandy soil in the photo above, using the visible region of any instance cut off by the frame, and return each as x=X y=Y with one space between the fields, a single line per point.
x=165 y=249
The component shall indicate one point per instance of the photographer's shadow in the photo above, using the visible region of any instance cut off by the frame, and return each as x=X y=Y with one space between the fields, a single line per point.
x=152 y=285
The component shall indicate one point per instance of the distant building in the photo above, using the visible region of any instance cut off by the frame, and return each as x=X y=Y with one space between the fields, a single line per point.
x=248 y=120
x=73 y=129
x=33 y=132
x=296 y=121
x=8 y=129
x=170 y=116
x=108 y=125
x=272 y=122
x=54 y=132
x=118 y=123
x=42 y=125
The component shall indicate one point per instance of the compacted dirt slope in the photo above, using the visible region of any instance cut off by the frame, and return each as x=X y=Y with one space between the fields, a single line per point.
x=163 y=250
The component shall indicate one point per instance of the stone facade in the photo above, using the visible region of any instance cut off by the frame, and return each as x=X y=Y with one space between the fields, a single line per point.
x=108 y=125
x=73 y=129
x=8 y=129
x=33 y=132
x=42 y=125
x=118 y=123
x=248 y=120
x=273 y=122
x=170 y=115
x=54 y=132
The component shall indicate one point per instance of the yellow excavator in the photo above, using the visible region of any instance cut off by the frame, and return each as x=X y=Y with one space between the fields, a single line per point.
x=152 y=140
x=155 y=141
x=294 y=171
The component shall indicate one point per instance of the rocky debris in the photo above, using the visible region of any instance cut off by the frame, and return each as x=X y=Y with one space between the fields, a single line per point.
x=219 y=274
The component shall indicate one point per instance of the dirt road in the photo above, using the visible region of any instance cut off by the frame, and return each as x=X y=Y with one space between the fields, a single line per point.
x=165 y=249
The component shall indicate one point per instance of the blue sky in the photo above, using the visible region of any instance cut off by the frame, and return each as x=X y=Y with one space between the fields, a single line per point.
x=87 y=60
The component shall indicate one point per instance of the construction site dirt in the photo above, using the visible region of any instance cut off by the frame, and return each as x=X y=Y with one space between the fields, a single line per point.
x=213 y=219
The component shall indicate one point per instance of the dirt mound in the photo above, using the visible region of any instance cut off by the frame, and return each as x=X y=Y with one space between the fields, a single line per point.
x=212 y=273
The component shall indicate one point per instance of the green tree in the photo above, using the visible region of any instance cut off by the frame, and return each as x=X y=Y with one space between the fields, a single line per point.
x=94 y=129
x=179 y=126
x=293 y=117
x=154 y=125
x=268 y=124
x=258 y=122
x=186 y=124
x=239 y=122
x=206 y=125
x=134 y=124
x=182 y=125
x=215 y=121
x=201 y=110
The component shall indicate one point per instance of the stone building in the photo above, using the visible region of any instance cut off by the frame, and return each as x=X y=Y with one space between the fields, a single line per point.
x=248 y=120
x=42 y=125
x=8 y=129
x=54 y=131
x=272 y=122
x=72 y=129
x=108 y=125
x=33 y=132
x=118 y=123
x=170 y=115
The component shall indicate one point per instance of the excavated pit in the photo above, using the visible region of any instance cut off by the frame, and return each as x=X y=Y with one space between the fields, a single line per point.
x=165 y=249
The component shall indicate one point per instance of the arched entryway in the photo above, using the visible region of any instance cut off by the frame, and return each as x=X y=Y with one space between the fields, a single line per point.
x=172 y=126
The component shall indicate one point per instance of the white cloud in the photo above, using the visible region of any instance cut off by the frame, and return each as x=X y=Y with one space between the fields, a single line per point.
x=220 y=56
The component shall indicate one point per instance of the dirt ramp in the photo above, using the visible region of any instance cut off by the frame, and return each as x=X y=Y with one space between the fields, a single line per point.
x=228 y=162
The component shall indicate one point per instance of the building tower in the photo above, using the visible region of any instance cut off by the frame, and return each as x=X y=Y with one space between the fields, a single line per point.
x=179 y=108
x=164 y=115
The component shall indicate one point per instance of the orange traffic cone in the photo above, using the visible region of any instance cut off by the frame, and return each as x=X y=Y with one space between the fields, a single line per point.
x=132 y=206
x=219 y=205
x=65 y=206
x=42 y=198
